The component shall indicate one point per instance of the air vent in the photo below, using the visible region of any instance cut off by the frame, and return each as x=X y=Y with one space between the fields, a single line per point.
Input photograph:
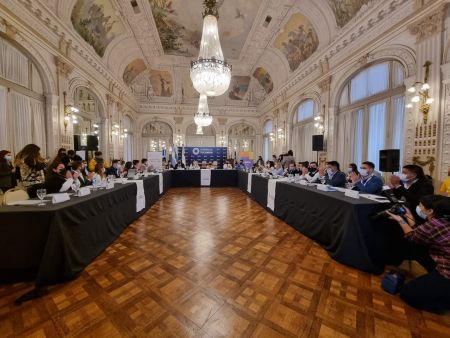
x=135 y=6
x=267 y=21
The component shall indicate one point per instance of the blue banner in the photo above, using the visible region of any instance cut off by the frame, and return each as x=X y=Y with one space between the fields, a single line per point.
x=208 y=154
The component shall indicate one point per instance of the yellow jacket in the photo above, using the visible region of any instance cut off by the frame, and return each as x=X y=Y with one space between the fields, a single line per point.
x=93 y=163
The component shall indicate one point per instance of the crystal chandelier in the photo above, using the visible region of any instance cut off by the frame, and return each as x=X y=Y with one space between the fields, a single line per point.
x=199 y=130
x=210 y=74
x=202 y=117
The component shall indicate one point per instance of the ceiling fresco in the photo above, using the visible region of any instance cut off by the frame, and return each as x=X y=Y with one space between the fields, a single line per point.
x=264 y=79
x=298 y=40
x=345 y=10
x=97 y=23
x=133 y=69
x=179 y=26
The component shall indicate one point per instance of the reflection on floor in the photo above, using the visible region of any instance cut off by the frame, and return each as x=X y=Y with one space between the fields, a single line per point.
x=210 y=263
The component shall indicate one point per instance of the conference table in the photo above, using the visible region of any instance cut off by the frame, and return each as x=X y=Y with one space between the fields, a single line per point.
x=342 y=225
x=55 y=243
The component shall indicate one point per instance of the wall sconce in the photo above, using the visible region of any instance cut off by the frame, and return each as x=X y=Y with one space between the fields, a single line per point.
x=96 y=127
x=272 y=137
x=318 y=121
x=280 y=133
x=422 y=94
x=179 y=138
x=222 y=139
x=69 y=113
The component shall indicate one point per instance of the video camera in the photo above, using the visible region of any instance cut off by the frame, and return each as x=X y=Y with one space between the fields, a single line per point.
x=397 y=206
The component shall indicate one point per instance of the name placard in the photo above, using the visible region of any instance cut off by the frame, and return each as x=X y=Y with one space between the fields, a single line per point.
x=352 y=193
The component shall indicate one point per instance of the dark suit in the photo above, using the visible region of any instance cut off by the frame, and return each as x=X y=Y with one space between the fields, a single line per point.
x=337 y=180
x=417 y=190
x=84 y=181
x=112 y=171
x=54 y=182
x=373 y=185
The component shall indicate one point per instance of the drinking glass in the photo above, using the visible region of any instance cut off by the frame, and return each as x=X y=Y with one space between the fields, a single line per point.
x=41 y=194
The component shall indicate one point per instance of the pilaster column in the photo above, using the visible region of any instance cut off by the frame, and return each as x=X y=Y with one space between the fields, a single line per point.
x=63 y=73
x=52 y=123
x=328 y=118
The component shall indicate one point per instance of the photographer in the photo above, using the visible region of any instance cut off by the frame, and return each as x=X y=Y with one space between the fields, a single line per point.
x=412 y=185
x=430 y=243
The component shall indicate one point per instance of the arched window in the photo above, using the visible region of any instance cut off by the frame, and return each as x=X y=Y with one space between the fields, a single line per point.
x=303 y=129
x=207 y=137
x=371 y=113
x=22 y=104
x=241 y=137
x=268 y=138
x=156 y=136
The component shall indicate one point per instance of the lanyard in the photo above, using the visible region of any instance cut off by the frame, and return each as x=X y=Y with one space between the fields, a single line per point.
x=365 y=182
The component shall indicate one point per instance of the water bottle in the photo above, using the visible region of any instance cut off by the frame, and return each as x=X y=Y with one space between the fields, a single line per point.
x=94 y=182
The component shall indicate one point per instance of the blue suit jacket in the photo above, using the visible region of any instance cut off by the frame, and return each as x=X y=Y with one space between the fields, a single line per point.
x=337 y=180
x=373 y=186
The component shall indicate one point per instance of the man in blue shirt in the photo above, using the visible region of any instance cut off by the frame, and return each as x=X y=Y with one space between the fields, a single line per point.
x=367 y=182
x=333 y=175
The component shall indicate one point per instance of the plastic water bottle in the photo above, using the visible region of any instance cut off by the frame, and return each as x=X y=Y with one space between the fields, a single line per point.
x=94 y=182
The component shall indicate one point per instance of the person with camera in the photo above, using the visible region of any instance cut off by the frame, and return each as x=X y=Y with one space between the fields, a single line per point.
x=411 y=185
x=366 y=182
x=430 y=243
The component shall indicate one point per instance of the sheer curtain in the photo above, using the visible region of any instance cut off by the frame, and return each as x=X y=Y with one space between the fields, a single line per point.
x=38 y=123
x=302 y=142
x=4 y=139
x=358 y=141
x=13 y=64
x=397 y=125
x=20 y=122
x=345 y=138
x=377 y=131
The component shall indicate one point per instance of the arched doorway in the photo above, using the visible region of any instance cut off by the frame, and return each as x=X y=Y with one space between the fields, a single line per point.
x=156 y=136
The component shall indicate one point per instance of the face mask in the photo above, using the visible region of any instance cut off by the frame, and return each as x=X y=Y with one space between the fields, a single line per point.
x=330 y=172
x=311 y=170
x=62 y=172
x=404 y=178
x=291 y=168
x=420 y=213
x=363 y=172
x=349 y=170
x=8 y=158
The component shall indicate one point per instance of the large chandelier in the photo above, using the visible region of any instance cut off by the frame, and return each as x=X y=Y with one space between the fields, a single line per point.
x=210 y=74
x=202 y=117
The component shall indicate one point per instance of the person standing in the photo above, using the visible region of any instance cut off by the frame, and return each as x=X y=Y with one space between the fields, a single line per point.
x=7 y=179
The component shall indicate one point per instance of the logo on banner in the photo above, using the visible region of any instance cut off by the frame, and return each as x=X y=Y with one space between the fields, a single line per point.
x=195 y=151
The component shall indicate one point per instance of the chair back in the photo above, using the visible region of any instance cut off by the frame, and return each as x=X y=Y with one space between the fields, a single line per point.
x=15 y=195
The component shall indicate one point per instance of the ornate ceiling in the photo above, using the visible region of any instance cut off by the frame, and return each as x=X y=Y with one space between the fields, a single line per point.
x=150 y=43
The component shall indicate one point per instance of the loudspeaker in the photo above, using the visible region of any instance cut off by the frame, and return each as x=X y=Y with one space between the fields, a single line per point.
x=76 y=142
x=92 y=143
x=317 y=142
x=390 y=160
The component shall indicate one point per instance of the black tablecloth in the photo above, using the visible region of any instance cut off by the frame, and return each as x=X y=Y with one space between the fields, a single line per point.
x=259 y=189
x=185 y=178
x=342 y=225
x=223 y=178
x=57 y=242
x=242 y=177
x=151 y=190
x=167 y=181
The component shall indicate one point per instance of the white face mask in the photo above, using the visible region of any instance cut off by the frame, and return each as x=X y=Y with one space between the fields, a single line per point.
x=330 y=172
x=363 y=172
x=349 y=170
x=404 y=178
x=8 y=157
x=420 y=213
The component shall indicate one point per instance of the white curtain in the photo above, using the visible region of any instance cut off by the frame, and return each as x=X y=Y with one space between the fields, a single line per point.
x=345 y=138
x=377 y=131
x=13 y=65
x=358 y=141
x=20 y=122
x=38 y=123
x=305 y=110
x=302 y=142
x=398 y=74
x=378 y=79
x=398 y=125
x=4 y=139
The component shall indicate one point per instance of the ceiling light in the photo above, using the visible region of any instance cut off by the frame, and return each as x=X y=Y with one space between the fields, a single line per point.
x=202 y=117
x=412 y=89
x=210 y=74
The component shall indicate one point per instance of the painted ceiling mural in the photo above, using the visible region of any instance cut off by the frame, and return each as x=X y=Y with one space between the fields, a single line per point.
x=238 y=87
x=96 y=22
x=133 y=69
x=180 y=26
x=345 y=10
x=298 y=40
x=264 y=79
x=161 y=81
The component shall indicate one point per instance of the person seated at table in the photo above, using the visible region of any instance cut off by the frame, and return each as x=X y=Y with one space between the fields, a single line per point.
x=73 y=156
x=194 y=165
x=84 y=178
x=7 y=178
x=126 y=167
x=144 y=165
x=58 y=178
x=180 y=165
x=227 y=165
x=29 y=169
x=113 y=169
x=136 y=165
x=99 y=173
x=291 y=169
x=445 y=187
x=332 y=175
x=429 y=245
x=209 y=166
x=366 y=182
x=278 y=170
x=310 y=173
x=352 y=168
x=98 y=158
x=411 y=185
x=240 y=165
x=260 y=161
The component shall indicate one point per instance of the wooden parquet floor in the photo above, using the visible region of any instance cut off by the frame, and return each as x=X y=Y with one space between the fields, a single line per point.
x=212 y=263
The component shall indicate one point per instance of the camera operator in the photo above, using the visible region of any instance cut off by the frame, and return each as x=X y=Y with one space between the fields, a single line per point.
x=412 y=185
x=430 y=243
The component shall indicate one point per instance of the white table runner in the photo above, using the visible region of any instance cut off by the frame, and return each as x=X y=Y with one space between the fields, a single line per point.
x=271 y=191
x=249 y=183
x=205 y=177
x=140 y=195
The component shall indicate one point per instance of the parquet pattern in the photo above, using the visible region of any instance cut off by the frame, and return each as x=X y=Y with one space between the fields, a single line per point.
x=212 y=263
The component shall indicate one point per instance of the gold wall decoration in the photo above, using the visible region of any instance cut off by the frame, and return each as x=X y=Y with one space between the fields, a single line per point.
x=429 y=162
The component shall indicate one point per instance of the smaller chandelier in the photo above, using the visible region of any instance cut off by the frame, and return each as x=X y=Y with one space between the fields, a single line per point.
x=202 y=117
x=421 y=94
x=210 y=74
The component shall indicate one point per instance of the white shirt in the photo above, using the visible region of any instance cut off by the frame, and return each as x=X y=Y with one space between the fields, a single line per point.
x=311 y=179
x=227 y=166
